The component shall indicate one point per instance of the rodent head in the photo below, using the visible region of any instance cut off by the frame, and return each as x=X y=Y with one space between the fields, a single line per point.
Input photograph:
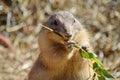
x=60 y=28
x=64 y=24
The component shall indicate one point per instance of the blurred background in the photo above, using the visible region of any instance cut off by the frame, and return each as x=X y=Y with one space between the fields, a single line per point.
x=20 y=22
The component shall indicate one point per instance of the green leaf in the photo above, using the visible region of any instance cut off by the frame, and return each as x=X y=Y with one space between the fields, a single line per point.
x=107 y=74
x=88 y=55
x=98 y=61
x=97 y=65
x=76 y=46
x=102 y=72
x=101 y=78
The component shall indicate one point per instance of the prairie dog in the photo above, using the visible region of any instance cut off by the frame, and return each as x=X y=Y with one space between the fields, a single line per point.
x=58 y=60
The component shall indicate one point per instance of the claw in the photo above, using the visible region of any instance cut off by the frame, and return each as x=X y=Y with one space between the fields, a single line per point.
x=70 y=44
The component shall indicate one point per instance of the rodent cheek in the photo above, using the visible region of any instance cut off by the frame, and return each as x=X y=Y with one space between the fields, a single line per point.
x=55 y=38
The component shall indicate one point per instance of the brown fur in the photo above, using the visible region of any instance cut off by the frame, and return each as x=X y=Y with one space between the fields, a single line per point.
x=58 y=61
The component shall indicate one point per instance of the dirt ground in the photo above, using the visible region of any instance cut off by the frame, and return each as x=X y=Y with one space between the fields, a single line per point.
x=20 y=22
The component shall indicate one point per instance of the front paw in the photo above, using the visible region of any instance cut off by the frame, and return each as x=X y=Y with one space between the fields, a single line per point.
x=70 y=44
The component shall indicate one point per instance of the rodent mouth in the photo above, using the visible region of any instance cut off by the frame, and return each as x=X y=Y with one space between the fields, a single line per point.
x=59 y=34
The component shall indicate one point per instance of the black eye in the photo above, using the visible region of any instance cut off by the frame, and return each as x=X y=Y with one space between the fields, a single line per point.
x=73 y=21
x=56 y=22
